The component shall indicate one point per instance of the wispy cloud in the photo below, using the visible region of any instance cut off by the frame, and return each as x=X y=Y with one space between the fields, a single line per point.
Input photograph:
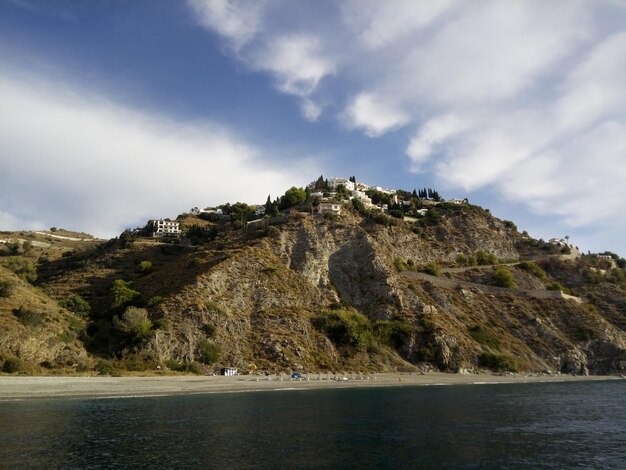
x=73 y=158
x=516 y=97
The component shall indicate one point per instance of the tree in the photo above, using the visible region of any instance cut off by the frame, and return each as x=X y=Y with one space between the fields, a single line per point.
x=292 y=197
x=239 y=213
x=134 y=326
x=126 y=239
x=208 y=352
x=122 y=294
x=320 y=183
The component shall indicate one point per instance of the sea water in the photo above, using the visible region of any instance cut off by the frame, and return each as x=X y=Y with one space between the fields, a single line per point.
x=541 y=425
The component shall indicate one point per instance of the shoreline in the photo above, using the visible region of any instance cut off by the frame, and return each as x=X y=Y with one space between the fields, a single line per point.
x=18 y=388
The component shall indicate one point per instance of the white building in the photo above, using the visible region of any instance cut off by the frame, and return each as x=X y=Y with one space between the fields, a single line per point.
x=325 y=207
x=361 y=196
x=334 y=183
x=317 y=194
x=229 y=371
x=165 y=228
x=380 y=189
x=457 y=201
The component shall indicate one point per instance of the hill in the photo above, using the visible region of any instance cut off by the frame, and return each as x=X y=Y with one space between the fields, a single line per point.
x=451 y=288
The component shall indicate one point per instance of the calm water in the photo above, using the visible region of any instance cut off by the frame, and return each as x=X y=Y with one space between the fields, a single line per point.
x=573 y=425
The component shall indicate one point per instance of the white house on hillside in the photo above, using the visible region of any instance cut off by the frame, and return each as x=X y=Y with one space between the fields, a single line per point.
x=165 y=228
x=325 y=207
x=334 y=183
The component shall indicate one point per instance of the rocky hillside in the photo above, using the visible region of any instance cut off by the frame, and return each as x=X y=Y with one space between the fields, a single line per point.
x=359 y=291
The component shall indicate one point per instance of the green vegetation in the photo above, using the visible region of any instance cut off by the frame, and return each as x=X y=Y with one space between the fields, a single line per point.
x=510 y=225
x=146 y=267
x=123 y=296
x=485 y=259
x=345 y=328
x=503 y=278
x=134 y=327
x=23 y=267
x=76 y=304
x=6 y=288
x=532 y=268
x=12 y=365
x=292 y=197
x=556 y=285
x=394 y=333
x=497 y=362
x=208 y=352
x=431 y=268
x=192 y=367
x=484 y=335
x=584 y=334
x=28 y=317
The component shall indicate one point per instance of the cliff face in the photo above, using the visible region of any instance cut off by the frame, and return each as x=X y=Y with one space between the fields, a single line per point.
x=338 y=293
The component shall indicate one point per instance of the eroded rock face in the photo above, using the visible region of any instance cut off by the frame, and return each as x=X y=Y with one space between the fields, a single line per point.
x=574 y=362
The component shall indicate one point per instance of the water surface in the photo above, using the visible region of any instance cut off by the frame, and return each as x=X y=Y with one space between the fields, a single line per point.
x=558 y=425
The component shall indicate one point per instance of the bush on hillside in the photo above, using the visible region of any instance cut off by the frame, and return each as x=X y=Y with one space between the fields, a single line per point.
x=122 y=295
x=28 y=317
x=23 y=267
x=394 y=333
x=345 y=328
x=12 y=365
x=532 y=268
x=503 y=278
x=484 y=335
x=134 y=326
x=6 y=288
x=145 y=267
x=432 y=269
x=76 y=304
x=208 y=352
x=497 y=362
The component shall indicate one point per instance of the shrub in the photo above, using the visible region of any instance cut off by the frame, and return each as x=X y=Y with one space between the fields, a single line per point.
x=345 y=328
x=154 y=301
x=484 y=335
x=556 y=285
x=399 y=264
x=134 y=326
x=183 y=366
x=123 y=295
x=23 y=267
x=482 y=258
x=27 y=317
x=461 y=259
x=497 y=362
x=6 y=288
x=104 y=367
x=394 y=333
x=503 y=278
x=510 y=225
x=432 y=269
x=76 y=304
x=146 y=267
x=532 y=268
x=12 y=365
x=397 y=213
x=208 y=329
x=584 y=334
x=208 y=352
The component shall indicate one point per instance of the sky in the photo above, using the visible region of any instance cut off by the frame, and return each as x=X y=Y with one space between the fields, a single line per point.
x=115 y=112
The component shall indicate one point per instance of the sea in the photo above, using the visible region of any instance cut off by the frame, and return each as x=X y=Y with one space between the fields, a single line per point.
x=500 y=426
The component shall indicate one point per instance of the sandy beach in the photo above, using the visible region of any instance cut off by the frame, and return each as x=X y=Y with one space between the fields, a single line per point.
x=22 y=387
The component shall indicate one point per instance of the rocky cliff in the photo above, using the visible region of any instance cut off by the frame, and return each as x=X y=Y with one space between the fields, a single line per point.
x=333 y=293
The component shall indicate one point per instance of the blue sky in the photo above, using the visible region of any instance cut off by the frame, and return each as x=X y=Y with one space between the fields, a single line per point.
x=114 y=112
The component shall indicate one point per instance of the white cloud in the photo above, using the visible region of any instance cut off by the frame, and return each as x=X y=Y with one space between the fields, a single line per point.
x=375 y=116
x=495 y=92
x=432 y=134
x=377 y=24
x=77 y=160
x=310 y=109
x=296 y=61
x=238 y=20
